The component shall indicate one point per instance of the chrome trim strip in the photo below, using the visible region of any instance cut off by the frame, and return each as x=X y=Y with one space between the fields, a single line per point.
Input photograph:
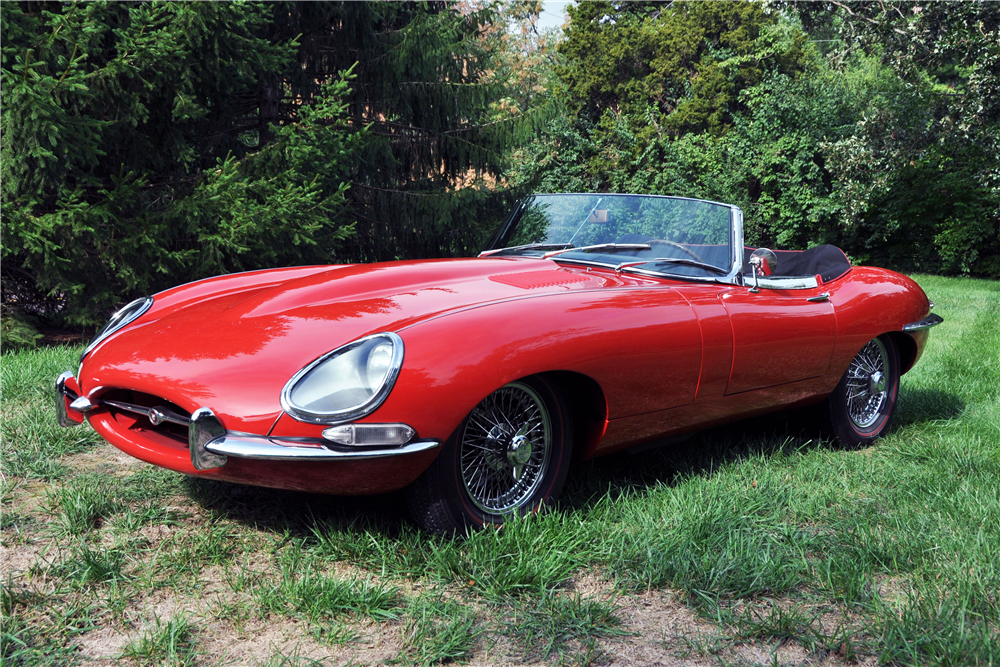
x=156 y=415
x=931 y=320
x=278 y=449
x=736 y=275
x=628 y=194
x=62 y=417
x=203 y=429
x=83 y=404
x=598 y=246
x=112 y=327
x=345 y=416
x=789 y=283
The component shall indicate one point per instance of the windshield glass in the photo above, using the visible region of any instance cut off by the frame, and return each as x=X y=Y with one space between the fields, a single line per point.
x=673 y=235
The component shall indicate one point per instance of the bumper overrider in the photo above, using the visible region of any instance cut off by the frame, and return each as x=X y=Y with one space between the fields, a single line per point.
x=210 y=444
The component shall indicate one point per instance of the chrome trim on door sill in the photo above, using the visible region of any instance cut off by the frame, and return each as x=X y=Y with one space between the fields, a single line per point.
x=278 y=449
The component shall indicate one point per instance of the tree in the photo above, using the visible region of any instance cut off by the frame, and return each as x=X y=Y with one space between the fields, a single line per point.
x=147 y=144
x=946 y=174
x=885 y=146
x=678 y=63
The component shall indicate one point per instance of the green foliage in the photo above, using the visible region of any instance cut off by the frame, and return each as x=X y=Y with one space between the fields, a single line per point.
x=886 y=149
x=125 y=158
x=532 y=555
x=16 y=331
x=149 y=144
x=681 y=65
x=562 y=623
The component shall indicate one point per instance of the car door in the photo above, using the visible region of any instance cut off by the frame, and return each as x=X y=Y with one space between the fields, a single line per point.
x=779 y=336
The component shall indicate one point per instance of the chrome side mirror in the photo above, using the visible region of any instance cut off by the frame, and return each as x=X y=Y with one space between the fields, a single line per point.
x=763 y=262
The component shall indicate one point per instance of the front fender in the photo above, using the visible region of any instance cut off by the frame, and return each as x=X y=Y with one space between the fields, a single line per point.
x=642 y=346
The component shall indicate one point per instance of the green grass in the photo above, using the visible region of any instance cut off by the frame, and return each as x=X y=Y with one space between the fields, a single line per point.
x=532 y=555
x=82 y=504
x=168 y=643
x=27 y=379
x=438 y=630
x=564 y=625
x=763 y=529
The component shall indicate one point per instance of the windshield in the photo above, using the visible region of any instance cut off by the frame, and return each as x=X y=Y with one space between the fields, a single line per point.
x=667 y=234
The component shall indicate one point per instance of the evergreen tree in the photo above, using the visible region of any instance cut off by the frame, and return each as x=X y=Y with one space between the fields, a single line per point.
x=148 y=144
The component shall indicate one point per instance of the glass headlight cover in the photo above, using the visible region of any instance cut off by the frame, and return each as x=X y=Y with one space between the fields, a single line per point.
x=347 y=383
x=122 y=317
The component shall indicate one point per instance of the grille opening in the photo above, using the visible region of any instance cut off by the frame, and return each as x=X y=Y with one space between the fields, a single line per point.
x=138 y=422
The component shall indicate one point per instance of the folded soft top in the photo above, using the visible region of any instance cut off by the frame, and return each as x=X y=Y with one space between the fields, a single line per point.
x=828 y=261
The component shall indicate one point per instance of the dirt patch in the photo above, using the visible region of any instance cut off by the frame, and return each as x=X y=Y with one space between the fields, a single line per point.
x=101 y=647
x=665 y=633
x=894 y=591
x=592 y=585
x=15 y=561
x=219 y=643
x=29 y=497
x=103 y=458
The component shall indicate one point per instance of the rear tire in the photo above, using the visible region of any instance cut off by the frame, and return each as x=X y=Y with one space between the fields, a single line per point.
x=509 y=455
x=860 y=409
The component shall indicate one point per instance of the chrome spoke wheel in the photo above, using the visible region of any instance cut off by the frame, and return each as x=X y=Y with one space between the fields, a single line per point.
x=505 y=448
x=868 y=382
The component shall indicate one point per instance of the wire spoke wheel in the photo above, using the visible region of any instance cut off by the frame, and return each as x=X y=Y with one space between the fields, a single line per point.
x=505 y=448
x=868 y=382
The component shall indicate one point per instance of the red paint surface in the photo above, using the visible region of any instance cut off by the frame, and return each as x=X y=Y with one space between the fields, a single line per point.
x=669 y=356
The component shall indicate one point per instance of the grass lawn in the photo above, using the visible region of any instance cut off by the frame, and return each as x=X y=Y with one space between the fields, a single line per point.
x=757 y=543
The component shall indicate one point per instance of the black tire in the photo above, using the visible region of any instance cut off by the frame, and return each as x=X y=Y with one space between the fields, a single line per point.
x=860 y=409
x=444 y=499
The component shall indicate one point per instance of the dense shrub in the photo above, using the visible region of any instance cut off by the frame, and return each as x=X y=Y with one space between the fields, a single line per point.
x=888 y=151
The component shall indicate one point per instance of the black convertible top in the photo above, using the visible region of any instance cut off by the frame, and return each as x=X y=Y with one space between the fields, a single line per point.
x=827 y=261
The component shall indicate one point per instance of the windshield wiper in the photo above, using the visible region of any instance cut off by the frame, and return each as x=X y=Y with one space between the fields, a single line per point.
x=529 y=246
x=615 y=247
x=674 y=260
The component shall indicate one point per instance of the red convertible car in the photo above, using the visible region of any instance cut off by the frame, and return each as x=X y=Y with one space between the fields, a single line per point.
x=590 y=324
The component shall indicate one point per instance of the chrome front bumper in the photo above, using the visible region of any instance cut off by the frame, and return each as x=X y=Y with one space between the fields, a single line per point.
x=211 y=444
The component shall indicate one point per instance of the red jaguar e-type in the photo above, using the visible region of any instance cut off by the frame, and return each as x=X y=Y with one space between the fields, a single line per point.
x=590 y=324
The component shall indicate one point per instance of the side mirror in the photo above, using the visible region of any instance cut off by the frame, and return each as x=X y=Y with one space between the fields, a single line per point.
x=763 y=262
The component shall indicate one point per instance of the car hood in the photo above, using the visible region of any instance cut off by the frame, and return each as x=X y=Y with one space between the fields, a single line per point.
x=233 y=348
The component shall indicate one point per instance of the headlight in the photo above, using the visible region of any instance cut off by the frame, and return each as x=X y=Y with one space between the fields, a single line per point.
x=122 y=317
x=347 y=383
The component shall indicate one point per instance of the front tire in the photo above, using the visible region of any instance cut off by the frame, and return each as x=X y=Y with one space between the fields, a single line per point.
x=860 y=409
x=509 y=455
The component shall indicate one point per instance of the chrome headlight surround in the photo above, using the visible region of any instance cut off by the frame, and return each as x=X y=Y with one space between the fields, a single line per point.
x=378 y=396
x=122 y=317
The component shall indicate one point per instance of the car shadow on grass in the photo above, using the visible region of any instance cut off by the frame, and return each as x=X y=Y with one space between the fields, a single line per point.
x=776 y=434
x=297 y=513
x=701 y=454
x=920 y=406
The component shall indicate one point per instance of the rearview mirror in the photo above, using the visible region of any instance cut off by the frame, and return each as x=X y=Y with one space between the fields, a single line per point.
x=763 y=262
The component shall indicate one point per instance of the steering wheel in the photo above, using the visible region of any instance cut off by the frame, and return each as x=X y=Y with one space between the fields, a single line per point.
x=679 y=247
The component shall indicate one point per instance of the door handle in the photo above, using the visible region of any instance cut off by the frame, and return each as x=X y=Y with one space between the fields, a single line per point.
x=822 y=296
